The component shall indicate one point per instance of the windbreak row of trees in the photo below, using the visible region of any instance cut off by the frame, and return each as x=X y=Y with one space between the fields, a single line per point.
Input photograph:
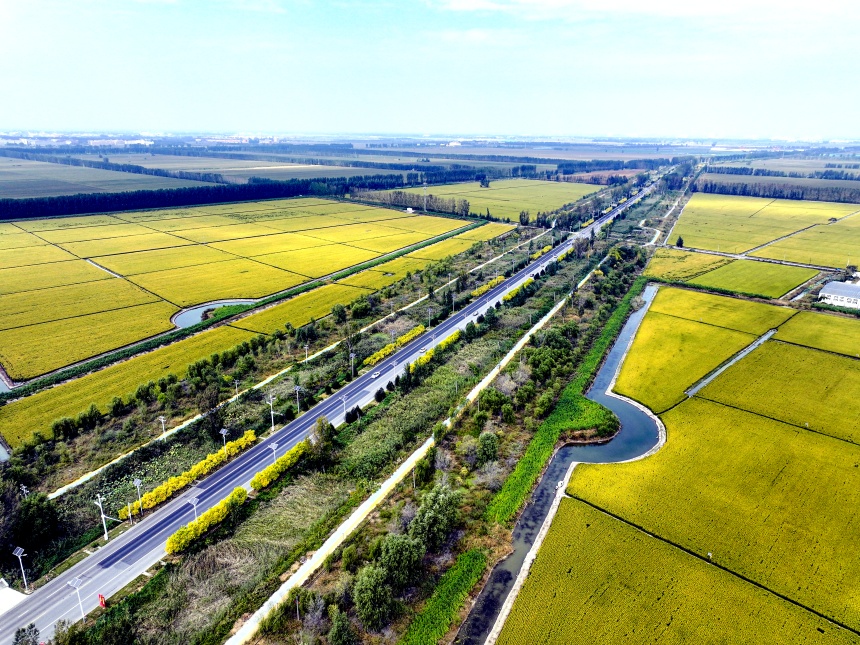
x=766 y=172
x=402 y=199
x=779 y=191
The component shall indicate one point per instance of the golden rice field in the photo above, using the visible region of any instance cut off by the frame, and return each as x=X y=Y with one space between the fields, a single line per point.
x=372 y=279
x=772 y=502
x=672 y=264
x=487 y=232
x=823 y=331
x=451 y=246
x=832 y=245
x=37 y=412
x=183 y=257
x=736 y=224
x=299 y=310
x=820 y=393
x=55 y=274
x=44 y=347
x=759 y=278
x=597 y=579
x=507 y=197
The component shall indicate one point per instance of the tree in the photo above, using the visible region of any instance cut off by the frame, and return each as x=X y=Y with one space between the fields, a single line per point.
x=321 y=436
x=436 y=517
x=400 y=557
x=28 y=635
x=38 y=522
x=338 y=312
x=341 y=632
x=360 y=308
x=372 y=596
x=680 y=242
x=488 y=447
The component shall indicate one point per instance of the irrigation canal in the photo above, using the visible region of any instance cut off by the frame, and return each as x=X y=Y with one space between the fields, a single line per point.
x=639 y=433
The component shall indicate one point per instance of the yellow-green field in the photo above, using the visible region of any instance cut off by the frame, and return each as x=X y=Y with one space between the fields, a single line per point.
x=129 y=264
x=832 y=245
x=670 y=354
x=599 y=580
x=487 y=232
x=35 y=413
x=32 y=255
x=507 y=197
x=371 y=279
x=451 y=246
x=772 y=502
x=762 y=278
x=736 y=224
x=37 y=349
x=823 y=331
x=319 y=261
x=731 y=313
x=821 y=393
x=672 y=264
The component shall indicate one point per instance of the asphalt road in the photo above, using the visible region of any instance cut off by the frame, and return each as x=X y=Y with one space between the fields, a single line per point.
x=129 y=555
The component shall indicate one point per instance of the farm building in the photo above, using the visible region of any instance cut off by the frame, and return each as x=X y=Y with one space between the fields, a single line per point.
x=841 y=294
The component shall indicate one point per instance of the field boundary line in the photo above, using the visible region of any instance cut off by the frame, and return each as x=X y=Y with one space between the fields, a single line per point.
x=722 y=567
x=782 y=421
x=726 y=364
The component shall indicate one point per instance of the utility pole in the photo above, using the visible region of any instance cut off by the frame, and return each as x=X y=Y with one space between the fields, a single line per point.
x=19 y=553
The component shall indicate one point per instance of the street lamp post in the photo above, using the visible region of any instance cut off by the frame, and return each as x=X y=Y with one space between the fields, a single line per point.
x=163 y=427
x=343 y=400
x=76 y=585
x=19 y=553
x=306 y=353
x=236 y=383
x=274 y=447
x=270 y=399
x=352 y=363
x=98 y=503
x=137 y=484
x=429 y=314
x=223 y=433
x=298 y=389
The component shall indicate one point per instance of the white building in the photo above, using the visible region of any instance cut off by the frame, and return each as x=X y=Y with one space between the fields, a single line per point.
x=841 y=294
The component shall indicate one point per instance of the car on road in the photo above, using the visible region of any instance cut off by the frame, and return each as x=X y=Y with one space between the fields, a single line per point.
x=423 y=349
x=374 y=375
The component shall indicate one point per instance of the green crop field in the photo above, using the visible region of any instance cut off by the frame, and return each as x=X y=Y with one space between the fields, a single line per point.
x=29 y=351
x=36 y=412
x=772 y=502
x=672 y=264
x=821 y=393
x=834 y=245
x=599 y=580
x=507 y=197
x=748 y=276
x=56 y=274
x=737 y=224
x=670 y=354
x=732 y=313
x=21 y=179
x=823 y=331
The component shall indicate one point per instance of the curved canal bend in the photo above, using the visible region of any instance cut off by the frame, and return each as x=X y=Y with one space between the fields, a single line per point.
x=639 y=433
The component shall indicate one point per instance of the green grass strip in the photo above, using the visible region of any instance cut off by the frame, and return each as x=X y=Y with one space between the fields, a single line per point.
x=435 y=619
x=573 y=411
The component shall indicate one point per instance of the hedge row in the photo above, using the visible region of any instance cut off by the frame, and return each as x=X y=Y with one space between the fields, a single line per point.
x=434 y=620
x=186 y=535
x=520 y=482
x=480 y=291
x=374 y=358
x=513 y=294
x=270 y=474
x=202 y=468
x=540 y=252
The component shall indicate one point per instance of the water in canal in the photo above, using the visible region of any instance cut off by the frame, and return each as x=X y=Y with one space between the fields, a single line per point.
x=638 y=434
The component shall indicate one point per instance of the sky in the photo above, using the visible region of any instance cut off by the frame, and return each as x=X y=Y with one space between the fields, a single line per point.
x=544 y=68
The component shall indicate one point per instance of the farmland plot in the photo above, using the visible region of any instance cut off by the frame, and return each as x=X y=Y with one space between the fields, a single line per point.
x=19 y=241
x=599 y=580
x=56 y=274
x=125 y=244
x=671 y=264
x=736 y=224
x=823 y=331
x=834 y=245
x=772 y=502
x=32 y=255
x=761 y=278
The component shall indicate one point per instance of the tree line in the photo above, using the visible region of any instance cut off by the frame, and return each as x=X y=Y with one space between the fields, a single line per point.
x=403 y=199
x=779 y=191
x=766 y=172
